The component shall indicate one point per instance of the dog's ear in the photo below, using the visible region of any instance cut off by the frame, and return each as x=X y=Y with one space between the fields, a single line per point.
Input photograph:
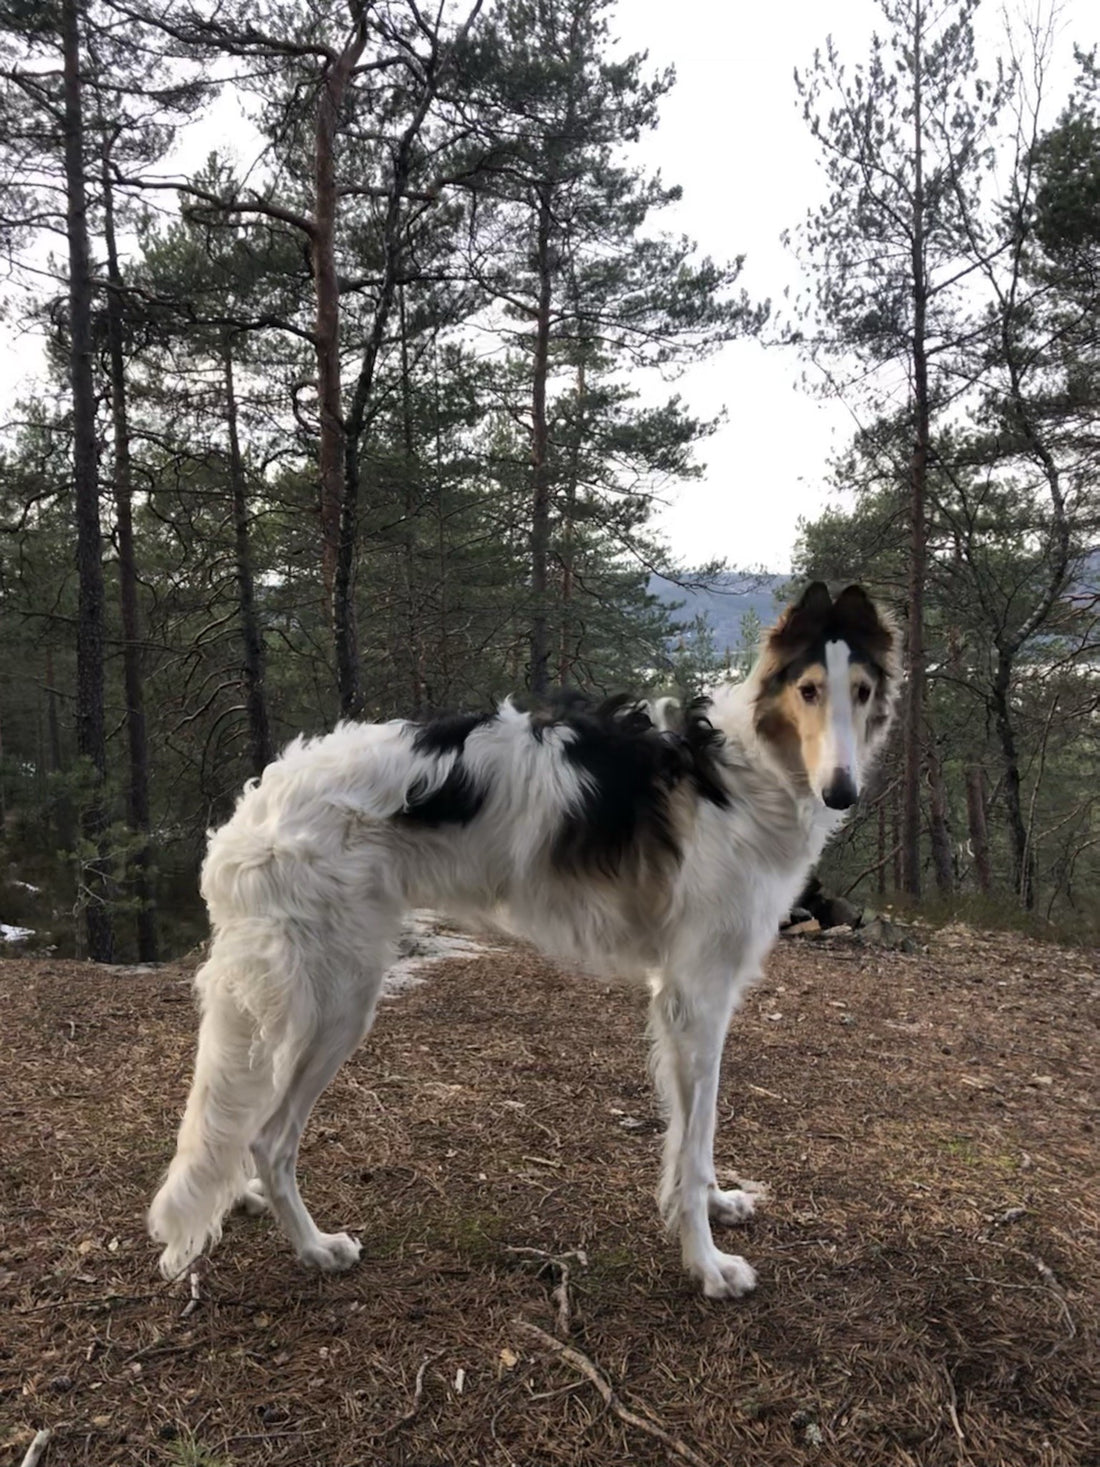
x=815 y=601
x=801 y=623
x=859 y=620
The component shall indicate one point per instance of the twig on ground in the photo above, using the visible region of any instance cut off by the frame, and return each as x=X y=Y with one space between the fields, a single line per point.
x=581 y=1363
x=953 y=1408
x=37 y=1447
x=560 y=1292
x=192 y=1303
x=1050 y=1278
x=414 y=1405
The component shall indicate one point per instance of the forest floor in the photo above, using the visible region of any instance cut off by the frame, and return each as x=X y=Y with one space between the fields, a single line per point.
x=929 y=1270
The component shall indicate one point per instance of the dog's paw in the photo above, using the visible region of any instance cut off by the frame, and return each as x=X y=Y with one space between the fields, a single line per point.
x=725 y=1276
x=253 y=1199
x=729 y=1208
x=331 y=1252
x=176 y=1259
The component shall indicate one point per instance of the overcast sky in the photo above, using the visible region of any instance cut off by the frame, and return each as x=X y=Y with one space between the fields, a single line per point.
x=732 y=135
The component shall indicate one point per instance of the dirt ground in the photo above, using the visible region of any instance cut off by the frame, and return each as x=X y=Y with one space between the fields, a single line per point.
x=929 y=1277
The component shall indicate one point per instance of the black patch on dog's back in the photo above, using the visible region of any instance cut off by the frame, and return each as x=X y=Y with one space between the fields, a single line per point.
x=701 y=743
x=456 y=801
x=459 y=798
x=630 y=769
x=448 y=733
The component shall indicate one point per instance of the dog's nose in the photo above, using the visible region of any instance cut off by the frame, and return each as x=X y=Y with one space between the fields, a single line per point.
x=840 y=793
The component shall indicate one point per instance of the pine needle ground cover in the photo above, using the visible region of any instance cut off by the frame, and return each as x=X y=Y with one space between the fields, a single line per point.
x=929 y=1276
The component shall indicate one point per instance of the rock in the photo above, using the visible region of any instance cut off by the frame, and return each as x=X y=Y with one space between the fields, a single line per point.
x=841 y=913
x=830 y=911
x=883 y=933
x=843 y=929
x=806 y=928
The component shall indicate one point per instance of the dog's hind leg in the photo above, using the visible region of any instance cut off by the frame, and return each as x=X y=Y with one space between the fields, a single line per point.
x=688 y=1025
x=340 y=1027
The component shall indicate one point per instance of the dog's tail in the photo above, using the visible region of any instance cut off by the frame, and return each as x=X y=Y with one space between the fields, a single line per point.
x=243 y=1055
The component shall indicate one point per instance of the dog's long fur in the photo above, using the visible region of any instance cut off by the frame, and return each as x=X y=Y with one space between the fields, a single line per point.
x=630 y=838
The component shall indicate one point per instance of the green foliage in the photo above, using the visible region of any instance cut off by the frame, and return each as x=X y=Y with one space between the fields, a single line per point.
x=217 y=307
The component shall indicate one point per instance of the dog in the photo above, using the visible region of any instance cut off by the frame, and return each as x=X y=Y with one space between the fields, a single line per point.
x=628 y=838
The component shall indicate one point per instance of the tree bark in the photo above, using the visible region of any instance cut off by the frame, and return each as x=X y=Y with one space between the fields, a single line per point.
x=344 y=616
x=979 y=835
x=252 y=640
x=565 y=659
x=1023 y=864
x=540 y=466
x=137 y=790
x=94 y=864
x=414 y=629
x=327 y=291
x=918 y=476
x=942 y=857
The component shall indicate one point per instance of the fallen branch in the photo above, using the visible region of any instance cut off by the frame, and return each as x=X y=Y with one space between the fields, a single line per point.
x=414 y=1407
x=585 y=1367
x=1048 y=1276
x=192 y=1303
x=37 y=1447
x=953 y=1409
x=560 y=1292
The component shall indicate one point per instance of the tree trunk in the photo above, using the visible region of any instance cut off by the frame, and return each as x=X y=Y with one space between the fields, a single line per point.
x=327 y=291
x=141 y=872
x=345 y=636
x=252 y=640
x=93 y=864
x=540 y=466
x=61 y=805
x=979 y=835
x=414 y=628
x=565 y=660
x=942 y=857
x=332 y=449
x=53 y=723
x=1023 y=865
x=918 y=474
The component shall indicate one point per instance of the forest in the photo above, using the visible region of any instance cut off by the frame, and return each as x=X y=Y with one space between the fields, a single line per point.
x=377 y=427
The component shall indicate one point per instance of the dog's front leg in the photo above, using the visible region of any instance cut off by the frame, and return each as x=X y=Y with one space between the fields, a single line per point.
x=689 y=1023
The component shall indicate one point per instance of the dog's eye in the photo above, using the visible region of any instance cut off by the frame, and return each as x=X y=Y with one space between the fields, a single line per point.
x=809 y=692
x=863 y=692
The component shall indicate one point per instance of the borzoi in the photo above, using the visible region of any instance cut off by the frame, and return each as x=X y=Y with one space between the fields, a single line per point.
x=617 y=838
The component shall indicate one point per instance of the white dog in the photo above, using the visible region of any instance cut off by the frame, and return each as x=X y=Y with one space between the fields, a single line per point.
x=667 y=853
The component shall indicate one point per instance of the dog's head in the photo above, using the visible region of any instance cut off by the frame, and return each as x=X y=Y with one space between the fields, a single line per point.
x=828 y=681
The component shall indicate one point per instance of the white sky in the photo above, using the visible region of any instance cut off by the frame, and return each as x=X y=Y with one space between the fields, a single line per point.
x=732 y=135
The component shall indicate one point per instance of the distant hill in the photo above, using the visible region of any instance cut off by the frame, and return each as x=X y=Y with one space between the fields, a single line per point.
x=725 y=601
x=728 y=598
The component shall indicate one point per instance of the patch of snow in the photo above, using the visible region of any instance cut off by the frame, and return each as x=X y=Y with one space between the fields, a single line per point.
x=14 y=934
x=422 y=942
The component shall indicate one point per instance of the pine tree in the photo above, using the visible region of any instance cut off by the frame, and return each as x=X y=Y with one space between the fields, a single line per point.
x=584 y=289
x=904 y=138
